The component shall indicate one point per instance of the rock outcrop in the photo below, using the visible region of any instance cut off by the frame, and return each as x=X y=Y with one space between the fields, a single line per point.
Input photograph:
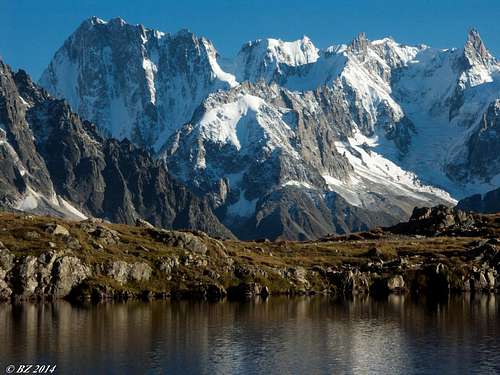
x=438 y=220
x=483 y=203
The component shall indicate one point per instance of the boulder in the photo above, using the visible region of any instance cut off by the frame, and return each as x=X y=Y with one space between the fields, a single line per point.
x=298 y=276
x=184 y=240
x=349 y=281
x=166 y=265
x=101 y=233
x=215 y=291
x=56 y=229
x=31 y=236
x=436 y=220
x=123 y=272
x=27 y=276
x=68 y=272
x=119 y=270
x=140 y=271
x=396 y=283
x=6 y=259
x=5 y=291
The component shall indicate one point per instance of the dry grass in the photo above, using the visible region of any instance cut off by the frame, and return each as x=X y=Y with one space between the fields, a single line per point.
x=137 y=243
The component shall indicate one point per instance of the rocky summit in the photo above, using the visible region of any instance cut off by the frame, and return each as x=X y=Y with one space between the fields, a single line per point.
x=286 y=140
x=438 y=252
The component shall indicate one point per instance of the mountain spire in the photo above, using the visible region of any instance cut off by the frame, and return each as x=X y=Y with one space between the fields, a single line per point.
x=360 y=43
x=475 y=50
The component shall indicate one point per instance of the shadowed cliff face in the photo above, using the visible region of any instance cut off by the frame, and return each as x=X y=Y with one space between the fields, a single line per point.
x=483 y=203
x=56 y=163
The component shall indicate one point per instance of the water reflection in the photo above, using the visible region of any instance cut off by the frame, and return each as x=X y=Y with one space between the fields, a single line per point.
x=280 y=335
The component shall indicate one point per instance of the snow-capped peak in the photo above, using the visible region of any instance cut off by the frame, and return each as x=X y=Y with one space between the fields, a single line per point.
x=268 y=57
x=95 y=21
x=478 y=64
x=134 y=82
x=298 y=52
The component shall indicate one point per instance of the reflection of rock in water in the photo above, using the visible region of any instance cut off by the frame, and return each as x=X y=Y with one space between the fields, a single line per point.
x=396 y=334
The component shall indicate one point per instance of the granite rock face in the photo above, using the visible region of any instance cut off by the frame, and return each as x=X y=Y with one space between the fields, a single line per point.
x=480 y=158
x=134 y=82
x=268 y=158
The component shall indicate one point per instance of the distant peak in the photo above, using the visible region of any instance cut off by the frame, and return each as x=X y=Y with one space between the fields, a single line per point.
x=94 y=20
x=473 y=36
x=475 y=49
x=184 y=33
x=360 y=43
x=117 y=21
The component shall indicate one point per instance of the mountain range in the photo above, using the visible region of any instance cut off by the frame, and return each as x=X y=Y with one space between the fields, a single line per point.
x=283 y=141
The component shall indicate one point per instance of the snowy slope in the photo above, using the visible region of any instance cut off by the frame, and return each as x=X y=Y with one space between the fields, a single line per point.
x=250 y=143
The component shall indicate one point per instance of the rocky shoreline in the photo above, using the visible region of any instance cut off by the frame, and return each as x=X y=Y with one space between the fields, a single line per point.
x=438 y=252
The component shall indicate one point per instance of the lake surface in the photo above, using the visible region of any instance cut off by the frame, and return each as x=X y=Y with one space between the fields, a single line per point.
x=317 y=335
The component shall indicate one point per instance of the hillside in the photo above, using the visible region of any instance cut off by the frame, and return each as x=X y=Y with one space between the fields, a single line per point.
x=438 y=251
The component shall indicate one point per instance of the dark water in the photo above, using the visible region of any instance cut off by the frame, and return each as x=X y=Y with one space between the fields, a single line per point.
x=278 y=336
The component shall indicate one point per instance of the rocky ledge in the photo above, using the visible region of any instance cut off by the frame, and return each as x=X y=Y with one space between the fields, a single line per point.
x=439 y=251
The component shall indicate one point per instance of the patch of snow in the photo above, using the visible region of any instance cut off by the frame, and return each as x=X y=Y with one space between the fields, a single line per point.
x=219 y=73
x=71 y=209
x=243 y=207
x=245 y=123
x=300 y=184
x=150 y=70
x=24 y=102
x=29 y=201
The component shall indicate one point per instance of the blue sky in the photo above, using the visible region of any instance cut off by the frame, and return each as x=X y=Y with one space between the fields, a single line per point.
x=32 y=30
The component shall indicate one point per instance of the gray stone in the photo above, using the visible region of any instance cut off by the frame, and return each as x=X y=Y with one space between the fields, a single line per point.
x=123 y=272
x=396 y=283
x=31 y=236
x=27 y=276
x=56 y=229
x=140 y=271
x=68 y=272
x=5 y=291
x=143 y=223
x=183 y=240
x=119 y=270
